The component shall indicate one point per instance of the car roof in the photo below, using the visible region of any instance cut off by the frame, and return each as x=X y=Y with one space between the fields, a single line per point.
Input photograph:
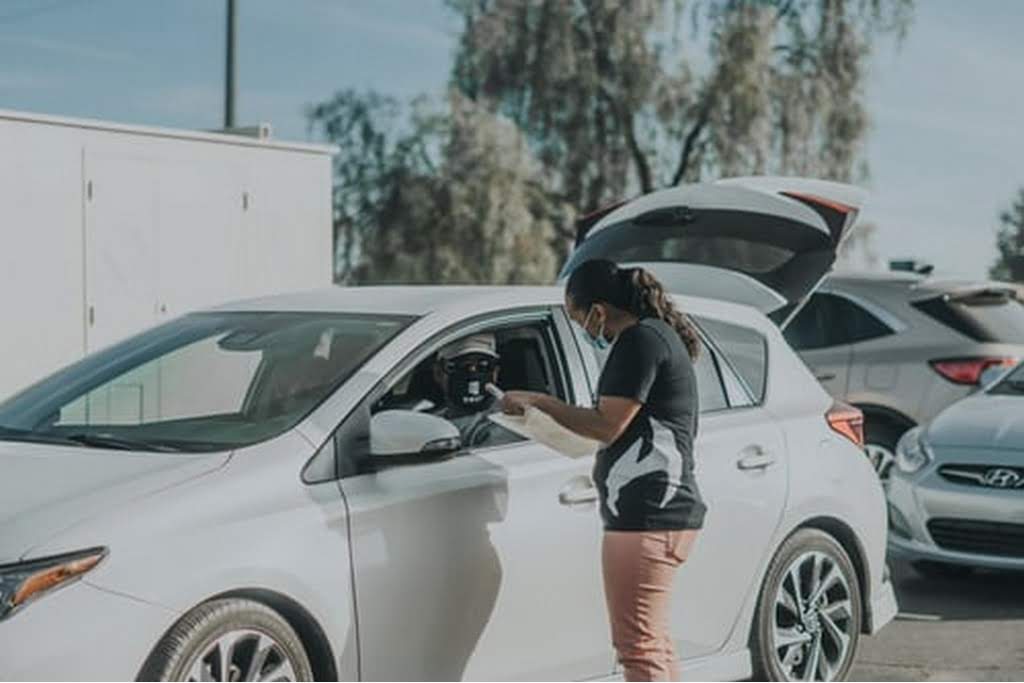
x=394 y=300
x=913 y=282
x=417 y=300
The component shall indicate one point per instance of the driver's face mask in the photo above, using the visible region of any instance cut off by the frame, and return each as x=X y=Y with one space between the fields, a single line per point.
x=467 y=377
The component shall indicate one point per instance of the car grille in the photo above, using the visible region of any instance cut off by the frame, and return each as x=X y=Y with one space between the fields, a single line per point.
x=974 y=536
x=987 y=476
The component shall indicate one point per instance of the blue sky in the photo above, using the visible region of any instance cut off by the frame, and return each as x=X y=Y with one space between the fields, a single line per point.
x=946 y=149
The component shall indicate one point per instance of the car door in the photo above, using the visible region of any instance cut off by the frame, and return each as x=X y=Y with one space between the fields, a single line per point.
x=481 y=566
x=764 y=242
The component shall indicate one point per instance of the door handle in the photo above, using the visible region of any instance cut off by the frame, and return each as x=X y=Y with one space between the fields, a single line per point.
x=578 y=492
x=825 y=377
x=755 y=458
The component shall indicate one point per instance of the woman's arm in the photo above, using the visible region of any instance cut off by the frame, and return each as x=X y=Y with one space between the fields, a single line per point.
x=604 y=423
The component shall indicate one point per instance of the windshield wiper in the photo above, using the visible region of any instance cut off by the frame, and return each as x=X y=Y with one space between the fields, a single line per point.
x=96 y=440
x=28 y=436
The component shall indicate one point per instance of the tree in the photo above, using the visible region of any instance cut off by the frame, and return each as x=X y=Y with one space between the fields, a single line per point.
x=614 y=103
x=561 y=106
x=1010 y=243
x=430 y=193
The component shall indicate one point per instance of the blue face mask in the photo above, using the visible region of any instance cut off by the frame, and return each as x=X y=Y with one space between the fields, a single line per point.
x=598 y=341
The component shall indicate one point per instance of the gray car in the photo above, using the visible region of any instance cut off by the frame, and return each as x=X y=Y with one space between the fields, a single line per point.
x=901 y=347
x=956 y=494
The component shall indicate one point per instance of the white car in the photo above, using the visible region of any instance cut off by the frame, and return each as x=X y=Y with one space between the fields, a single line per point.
x=263 y=492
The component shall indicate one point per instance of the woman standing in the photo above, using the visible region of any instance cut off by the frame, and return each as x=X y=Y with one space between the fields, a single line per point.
x=646 y=417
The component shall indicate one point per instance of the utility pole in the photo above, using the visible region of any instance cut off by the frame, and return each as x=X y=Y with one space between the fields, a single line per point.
x=229 y=77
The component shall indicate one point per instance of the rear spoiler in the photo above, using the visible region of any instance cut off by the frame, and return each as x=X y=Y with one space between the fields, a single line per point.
x=586 y=222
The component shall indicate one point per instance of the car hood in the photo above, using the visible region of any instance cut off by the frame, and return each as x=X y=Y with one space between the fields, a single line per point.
x=46 y=489
x=981 y=421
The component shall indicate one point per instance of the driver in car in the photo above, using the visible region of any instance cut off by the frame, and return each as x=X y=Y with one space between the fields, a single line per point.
x=463 y=369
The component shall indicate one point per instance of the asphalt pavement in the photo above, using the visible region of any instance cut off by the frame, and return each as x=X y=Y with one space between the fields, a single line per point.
x=950 y=629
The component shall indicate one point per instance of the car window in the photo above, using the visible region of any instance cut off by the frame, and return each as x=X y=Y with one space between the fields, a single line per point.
x=809 y=329
x=710 y=391
x=985 y=316
x=450 y=381
x=746 y=350
x=854 y=323
x=1012 y=384
x=204 y=382
x=831 y=320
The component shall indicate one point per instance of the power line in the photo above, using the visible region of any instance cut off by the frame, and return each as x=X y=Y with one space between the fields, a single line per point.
x=12 y=17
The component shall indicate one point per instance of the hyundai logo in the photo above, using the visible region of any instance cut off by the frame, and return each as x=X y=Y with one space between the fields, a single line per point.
x=1002 y=478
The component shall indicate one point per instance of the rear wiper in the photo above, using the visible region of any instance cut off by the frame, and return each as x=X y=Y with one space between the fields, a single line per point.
x=116 y=442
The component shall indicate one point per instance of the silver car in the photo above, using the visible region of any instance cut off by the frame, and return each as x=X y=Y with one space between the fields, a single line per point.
x=956 y=496
x=266 y=491
x=901 y=347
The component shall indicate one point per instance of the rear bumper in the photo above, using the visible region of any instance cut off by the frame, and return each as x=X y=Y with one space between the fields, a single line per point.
x=80 y=633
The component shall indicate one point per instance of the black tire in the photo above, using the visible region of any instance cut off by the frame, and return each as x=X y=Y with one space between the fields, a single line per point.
x=766 y=664
x=190 y=637
x=885 y=434
x=942 y=570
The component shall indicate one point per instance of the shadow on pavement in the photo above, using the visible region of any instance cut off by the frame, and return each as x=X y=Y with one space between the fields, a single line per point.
x=980 y=595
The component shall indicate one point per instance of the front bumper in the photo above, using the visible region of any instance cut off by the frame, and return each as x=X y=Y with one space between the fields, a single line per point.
x=80 y=632
x=927 y=496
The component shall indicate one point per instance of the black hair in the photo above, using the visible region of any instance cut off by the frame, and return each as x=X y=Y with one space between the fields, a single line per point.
x=634 y=290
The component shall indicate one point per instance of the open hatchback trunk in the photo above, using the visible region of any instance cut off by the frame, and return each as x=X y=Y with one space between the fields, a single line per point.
x=766 y=242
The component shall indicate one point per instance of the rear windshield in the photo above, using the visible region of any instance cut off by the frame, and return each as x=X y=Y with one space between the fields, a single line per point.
x=203 y=382
x=786 y=256
x=985 y=316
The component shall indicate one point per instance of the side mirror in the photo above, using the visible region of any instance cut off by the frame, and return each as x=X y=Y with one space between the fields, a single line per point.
x=409 y=435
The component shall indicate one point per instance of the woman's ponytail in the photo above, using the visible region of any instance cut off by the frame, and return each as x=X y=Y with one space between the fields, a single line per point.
x=647 y=298
x=634 y=290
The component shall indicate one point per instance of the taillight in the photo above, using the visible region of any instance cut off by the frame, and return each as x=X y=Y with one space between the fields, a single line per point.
x=847 y=420
x=968 y=370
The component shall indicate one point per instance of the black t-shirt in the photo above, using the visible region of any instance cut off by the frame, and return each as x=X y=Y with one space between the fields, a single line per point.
x=645 y=477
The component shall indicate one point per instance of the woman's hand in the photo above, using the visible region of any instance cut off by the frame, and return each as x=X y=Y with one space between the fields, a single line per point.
x=516 y=402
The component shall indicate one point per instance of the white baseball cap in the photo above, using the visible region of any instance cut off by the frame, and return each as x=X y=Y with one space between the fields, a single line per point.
x=483 y=342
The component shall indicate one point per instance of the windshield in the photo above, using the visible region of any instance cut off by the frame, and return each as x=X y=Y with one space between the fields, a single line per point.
x=204 y=382
x=1012 y=384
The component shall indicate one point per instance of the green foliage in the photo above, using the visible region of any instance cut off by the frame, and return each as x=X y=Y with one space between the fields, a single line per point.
x=560 y=106
x=1010 y=243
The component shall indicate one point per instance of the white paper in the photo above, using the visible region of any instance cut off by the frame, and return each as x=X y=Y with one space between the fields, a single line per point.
x=538 y=426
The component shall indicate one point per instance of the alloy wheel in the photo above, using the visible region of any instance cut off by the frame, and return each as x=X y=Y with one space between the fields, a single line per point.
x=811 y=633
x=242 y=655
x=882 y=459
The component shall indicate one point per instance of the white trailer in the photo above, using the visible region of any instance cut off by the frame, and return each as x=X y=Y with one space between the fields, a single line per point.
x=108 y=229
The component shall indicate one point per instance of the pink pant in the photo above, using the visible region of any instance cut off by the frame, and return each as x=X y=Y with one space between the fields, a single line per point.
x=638 y=569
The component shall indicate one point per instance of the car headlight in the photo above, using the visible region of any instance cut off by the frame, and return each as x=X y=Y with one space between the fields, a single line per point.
x=25 y=581
x=912 y=451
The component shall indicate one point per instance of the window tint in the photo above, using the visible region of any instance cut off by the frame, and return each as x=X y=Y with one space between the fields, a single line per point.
x=854 y=322
x=809 y=329
x=830 y=320
x=710 y=391
x=982 y=316
x=746 y=350
x=203 y=382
